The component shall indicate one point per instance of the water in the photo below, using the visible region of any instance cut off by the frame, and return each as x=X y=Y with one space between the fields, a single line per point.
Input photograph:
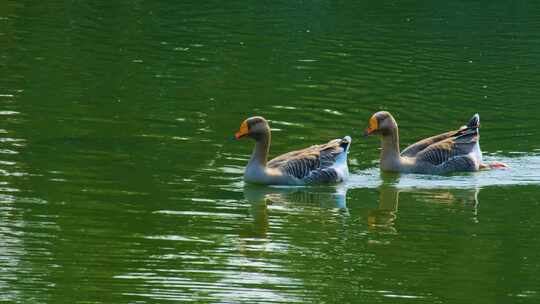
x=118 y=183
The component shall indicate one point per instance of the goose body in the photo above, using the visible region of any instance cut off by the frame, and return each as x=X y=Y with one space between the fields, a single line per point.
x=326 y=163
x=454 y=151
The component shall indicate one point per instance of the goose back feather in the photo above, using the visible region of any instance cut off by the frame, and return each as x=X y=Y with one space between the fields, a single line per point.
x=313 y=164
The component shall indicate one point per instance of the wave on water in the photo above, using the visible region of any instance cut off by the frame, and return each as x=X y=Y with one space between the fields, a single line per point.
x=522 y=170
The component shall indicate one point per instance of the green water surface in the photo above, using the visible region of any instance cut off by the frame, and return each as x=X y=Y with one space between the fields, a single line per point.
x=118 y=183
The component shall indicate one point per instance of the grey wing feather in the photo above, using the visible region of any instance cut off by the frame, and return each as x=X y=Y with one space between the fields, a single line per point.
x=417 y=147
x=322 y=175
x=464 y=163
x=449 y=148
x=414 y=149
x=303 y=163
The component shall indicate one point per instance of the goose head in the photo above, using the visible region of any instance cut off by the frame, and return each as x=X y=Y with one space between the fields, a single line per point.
x=255 y=127
x=381 y=123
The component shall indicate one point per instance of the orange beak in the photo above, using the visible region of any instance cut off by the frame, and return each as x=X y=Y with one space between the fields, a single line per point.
x=244 y=130
x=373 y=126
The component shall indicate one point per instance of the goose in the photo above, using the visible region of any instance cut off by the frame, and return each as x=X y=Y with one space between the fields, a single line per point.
x=326 y=163
x=453 y=151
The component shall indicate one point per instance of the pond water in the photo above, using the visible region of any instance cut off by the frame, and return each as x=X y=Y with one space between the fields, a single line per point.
x=118 y=183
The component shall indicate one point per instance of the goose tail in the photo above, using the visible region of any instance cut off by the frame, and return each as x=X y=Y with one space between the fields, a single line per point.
x=340 y=166
x=346 y=143
x=474 y=123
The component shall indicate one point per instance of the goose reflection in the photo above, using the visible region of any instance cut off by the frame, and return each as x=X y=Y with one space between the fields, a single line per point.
x=381 y=218
x=324 y=197
x=386 y=214
x=260 y=197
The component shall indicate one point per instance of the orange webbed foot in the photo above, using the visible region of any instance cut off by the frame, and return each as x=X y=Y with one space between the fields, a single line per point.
x=494 y=165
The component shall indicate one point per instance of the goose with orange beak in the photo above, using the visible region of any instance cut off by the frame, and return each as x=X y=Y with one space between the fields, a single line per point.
x=326 y=163
x=454 y=151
